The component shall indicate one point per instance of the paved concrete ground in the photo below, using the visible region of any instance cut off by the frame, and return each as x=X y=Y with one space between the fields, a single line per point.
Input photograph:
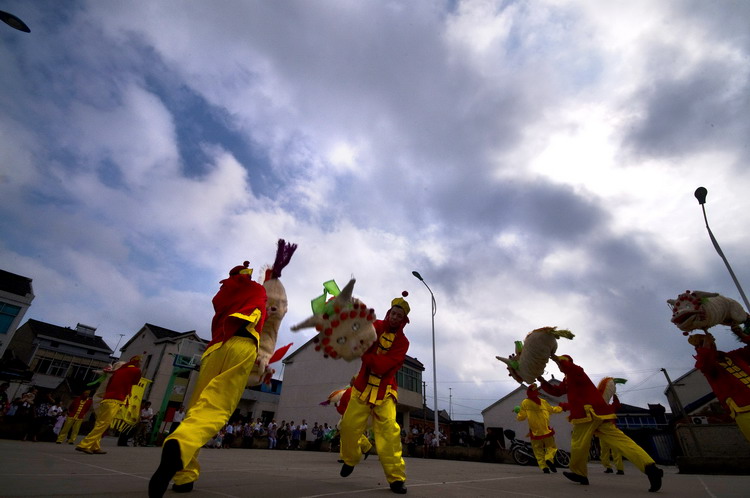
x=48 y=469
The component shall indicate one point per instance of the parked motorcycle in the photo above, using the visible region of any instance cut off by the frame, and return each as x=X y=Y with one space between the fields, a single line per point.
x=522 y=453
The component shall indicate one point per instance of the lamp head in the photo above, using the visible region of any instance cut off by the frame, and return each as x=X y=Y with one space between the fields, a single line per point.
x=700 y=194
x=14 y=22
x=416 y=274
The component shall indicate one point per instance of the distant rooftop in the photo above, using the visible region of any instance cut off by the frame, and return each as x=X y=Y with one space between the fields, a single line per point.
x=79 y=337
x=15 y=284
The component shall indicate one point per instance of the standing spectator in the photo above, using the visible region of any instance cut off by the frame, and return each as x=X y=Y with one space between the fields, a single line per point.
x=303 y=431
x=228 y=436
x=258 y=428
x=60 y=421
x=143 y=428
x=4 y=403
x=37 y=414
x=118 y=388
x=248 y=431
x=177 y=418
x=491 y=444
x=428 y=444
x=77 y=411
x=411 y=446
x=272 y=434
x=319 y=433
x=296 y=436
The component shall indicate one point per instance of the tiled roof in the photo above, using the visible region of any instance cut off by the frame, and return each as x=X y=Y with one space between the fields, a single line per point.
x=67 y=334
x=15 y=284
x=161 y=332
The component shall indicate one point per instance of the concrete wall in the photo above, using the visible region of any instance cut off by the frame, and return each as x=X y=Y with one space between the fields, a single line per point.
x=308 y=380
x=713 y=449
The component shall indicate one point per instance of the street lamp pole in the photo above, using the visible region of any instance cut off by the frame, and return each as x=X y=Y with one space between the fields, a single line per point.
x=700 y=194
x=434 y=363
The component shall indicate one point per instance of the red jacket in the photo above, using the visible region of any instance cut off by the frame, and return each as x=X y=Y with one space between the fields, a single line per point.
x=79 y=407
x=581 y=392
x=384 y=364
x=724 y=372
x=238 y=294
x=122 y=382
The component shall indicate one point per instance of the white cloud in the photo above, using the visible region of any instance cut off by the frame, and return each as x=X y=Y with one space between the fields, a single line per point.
x=515 y=154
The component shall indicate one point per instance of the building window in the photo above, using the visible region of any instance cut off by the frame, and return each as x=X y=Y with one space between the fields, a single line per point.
x=81 y=372
x=42 y=365
x=8 y=313
x=409 y=379
x=58 y=368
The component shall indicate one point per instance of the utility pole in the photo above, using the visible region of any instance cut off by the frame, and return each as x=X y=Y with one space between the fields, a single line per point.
x=683 y=413
x=450 y=402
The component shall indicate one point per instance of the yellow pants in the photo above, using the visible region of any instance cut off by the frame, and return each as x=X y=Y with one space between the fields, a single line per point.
x=71 y=424
x=364 y=444
x=743 y=422
x=221 y=382
x=544 y=449
x=107 y=410
x=610 y=456
x=387 y=435
x=608 y=434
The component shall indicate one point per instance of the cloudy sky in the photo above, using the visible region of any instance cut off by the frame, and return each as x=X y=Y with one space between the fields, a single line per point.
x=534 y=161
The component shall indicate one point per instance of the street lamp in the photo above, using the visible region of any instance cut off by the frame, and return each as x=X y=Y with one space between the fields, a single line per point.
x=14 y=22
x=700 y=194
x=434 y=364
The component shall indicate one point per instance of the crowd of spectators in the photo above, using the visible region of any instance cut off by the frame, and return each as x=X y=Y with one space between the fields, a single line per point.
x=42 y=416
x=37 y=415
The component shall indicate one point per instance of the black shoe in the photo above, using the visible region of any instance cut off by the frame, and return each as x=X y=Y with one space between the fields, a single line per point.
x=183 y=488
x=551 y=465
x=545 y=470
x=171 y=462
x=620 y=472
x=346 y=470
x=654 y=475
x=608 y=471
x=398 y=487
x=577 y=478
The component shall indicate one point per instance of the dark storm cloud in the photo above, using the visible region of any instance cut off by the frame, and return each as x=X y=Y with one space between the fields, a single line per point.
x=700 y=111
x=692 y=102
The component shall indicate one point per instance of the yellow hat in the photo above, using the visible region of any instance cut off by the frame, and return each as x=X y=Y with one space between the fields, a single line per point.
x=401 y=303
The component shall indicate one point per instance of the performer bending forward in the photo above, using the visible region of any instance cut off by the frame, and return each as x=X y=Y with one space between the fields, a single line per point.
x=375 y=393
x=240 y=310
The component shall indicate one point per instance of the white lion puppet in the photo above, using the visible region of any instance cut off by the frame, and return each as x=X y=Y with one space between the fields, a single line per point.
x=344 y=324
x=276 y=308
x=532 y=355
x=699 y=310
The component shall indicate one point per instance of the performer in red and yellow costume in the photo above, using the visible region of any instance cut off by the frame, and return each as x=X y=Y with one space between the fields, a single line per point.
x=77 y=411
x=592 y=416
x=729 y=376
x=118 y=388
x=375 y=392
x=537 y=411
x=240 y=310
